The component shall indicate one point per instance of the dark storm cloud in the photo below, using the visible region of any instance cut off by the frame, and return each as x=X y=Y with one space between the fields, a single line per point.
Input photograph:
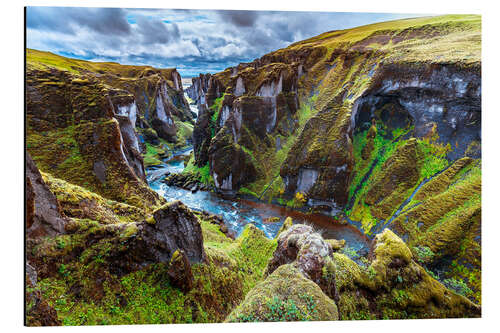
x=155 y=31
x=192 y=40
x=239 y=18
x=66 y=19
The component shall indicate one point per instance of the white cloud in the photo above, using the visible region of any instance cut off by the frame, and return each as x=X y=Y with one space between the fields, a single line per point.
x=199 y=40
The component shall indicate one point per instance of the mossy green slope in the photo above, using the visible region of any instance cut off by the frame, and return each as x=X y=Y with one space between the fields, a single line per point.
x=328 y=74
x=356 y=132
x=286 y=295
x=79 y=281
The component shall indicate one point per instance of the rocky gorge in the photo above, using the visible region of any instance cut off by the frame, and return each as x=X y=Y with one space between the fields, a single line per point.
x=336 y=179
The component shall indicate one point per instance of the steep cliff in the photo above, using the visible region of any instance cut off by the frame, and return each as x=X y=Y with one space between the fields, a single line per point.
x=314 y=96
x=380 y=124
x=369 y=122
x=91 y=124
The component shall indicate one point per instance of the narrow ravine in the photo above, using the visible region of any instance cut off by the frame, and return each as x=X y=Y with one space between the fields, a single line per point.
x=239 y=212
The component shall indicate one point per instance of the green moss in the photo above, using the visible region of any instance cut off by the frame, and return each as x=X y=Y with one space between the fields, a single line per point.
x=285 y=226
x=81 y=203
x=434 y=157
x=203 y=173
x=286 y=295
x=215 y=107
x=409 y=161
x=146 y=296
x=244 y=190
x=184 y=133
x=70 y=153
x=154 y=154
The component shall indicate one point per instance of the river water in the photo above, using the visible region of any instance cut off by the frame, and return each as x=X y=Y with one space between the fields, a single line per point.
x=239 y=212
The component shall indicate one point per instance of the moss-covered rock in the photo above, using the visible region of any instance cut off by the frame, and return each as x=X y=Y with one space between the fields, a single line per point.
x=84 y=127
x=44 y=216
x=395 y=285
x=303 y=247
x=179 y=271
x=78 y=202
x=287 y=224
x=285 y=295
x=96 y=274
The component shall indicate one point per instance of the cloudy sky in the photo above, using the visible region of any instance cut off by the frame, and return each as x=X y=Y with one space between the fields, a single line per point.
x=194 y=41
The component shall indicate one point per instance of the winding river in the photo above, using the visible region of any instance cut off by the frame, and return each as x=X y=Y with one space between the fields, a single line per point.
x=239 y=212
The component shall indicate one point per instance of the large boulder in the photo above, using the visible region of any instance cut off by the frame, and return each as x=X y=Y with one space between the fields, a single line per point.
x=285 y=295
x=305 y=248
x=173 y=227
x=44 y=216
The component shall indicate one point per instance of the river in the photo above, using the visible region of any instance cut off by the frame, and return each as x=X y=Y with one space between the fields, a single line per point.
x=239 y=212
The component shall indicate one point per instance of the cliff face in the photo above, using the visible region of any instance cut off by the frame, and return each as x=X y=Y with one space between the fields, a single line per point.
x=90 y=123
x=401 y=74
x=382 y=122
x=364 y=121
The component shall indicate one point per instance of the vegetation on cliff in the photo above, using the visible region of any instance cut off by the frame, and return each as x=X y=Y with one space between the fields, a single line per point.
x=378 y=124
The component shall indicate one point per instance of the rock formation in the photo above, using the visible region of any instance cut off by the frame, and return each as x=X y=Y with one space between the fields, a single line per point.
x=98 y=120
x=43 y=212
x=362 y=122
x=297 y=110
x=391 y=286
x=381 y=124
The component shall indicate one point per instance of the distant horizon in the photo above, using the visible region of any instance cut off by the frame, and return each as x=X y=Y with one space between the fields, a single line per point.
x=192 y=41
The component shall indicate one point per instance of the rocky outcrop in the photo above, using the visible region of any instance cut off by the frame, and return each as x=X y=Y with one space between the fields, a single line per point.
x=286 y=295
x=186 y=181
x=202 y=134
x=173 y=227
x=392 y=285
x=242 y=112
x=125 y=111
x=127 y=247
x=199 y=88
x=78 y=202
x=44 y=216
x=304 y=247
x=231 y=166
x=84 y=131
x=161 y=118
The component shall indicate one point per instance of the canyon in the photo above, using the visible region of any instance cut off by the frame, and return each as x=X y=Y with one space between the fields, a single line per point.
x=345 y=168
